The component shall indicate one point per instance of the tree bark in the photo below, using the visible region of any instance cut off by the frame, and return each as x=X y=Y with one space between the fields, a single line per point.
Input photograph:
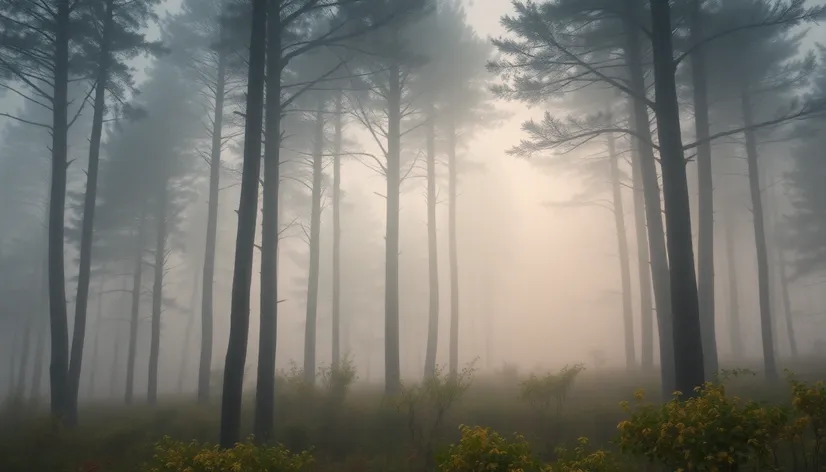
x=769 y=362
x=660 y=271
x=205 y=360
x=137 y=286
x=624 y=258
x=735 y=338
x=392 y=368
x=59 y=368
x=337 y=230
x=310 y=328
x=687 y=338
x=705 y=242
x=157 y=289
x=87 y=228
x=643 y=263
x=452 y=246
x=433 y=247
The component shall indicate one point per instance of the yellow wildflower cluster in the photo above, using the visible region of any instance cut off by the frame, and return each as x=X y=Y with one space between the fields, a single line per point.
x=484 y=450
x=176 y=456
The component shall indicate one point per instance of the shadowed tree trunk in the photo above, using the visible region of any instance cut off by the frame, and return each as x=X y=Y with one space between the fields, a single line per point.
x=392 y=368
x=686 y=335
x=432 y=246
x=310 y=327
x=23 y=367
x=190 y=325
x=736 y=339
x=137 y=286
x=783 y=275
x=624 y=258
x=337 y=229
x=452 y=247
x=113 y=371
x=39 y=354
x=205 y=360
x=660 y=271
x=59 y=368
x=705 y=242
x=157 y=290
x=763 y=285
x=94 y=360
x=89 y=202
x=643 y=263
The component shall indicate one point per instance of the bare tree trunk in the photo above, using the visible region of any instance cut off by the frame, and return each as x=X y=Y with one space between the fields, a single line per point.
x=705 y=243
x=433 y=248
x=392 y=368
x=87 y=229
x=736 y=339
x=205 y=360
x=39 y=354
x=783 y=276
x=137 y=287
x=98 y=318
x=234 y=366
x=337 y=230
x=452 y=247
x=23 y=367
x=643 y=263
x=769 y=362
x=310 y=327
x=686 y=333
x=113 y=372
x=660 y=271
x=59 y=368
x=190 y=324
x=157 y=291
x=624 y=258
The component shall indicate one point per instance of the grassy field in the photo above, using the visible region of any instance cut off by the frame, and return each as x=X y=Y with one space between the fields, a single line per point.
x=363 y=431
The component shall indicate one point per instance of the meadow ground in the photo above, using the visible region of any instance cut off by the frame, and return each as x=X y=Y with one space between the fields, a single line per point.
x=362 y=430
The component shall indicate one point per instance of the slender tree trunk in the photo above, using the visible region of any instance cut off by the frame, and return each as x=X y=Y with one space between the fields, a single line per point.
x=59 y=368
x=267 y=336
x=113 y=371
x=769 y=361
x=452 y=247
x=12 y=390
x=643 y=263
x=137 y=286
x=157 y=290
x=310 y=327
x=205 y=360
x=736 y=339
x=660 y=271
x=433 y=248
x=624 y=258
x=782 y=269
x=94 y=363
x=337 y=230
x=705 y=243
x=687 y=337
x=87 y=228
x=392 y=369
x=39 y=354
x=23 y=367
x=190 y=325
x=247 y=214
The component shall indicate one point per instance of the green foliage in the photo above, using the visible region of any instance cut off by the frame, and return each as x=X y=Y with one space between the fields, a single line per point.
x=552 y=388
x=177 y=456
x=336 y=380
x=584 y=458
x=484 y=450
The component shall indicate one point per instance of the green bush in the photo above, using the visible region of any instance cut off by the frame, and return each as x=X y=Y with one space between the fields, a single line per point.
x=178 y=456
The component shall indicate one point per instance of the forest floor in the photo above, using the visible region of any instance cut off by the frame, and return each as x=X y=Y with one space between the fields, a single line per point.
x=363 y=433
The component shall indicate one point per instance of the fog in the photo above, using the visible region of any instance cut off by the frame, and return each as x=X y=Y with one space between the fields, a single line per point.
x=539 y=281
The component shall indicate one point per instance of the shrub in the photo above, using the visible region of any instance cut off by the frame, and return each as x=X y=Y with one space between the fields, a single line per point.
x=712 y=431
x=583 y=458
x=483 y=450
x=177 y=456
x=552 y=388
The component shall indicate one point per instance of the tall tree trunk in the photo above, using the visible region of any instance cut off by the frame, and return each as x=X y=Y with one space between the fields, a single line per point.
x=736 y=339
x=87 y=228
x=157 y=290
x=190 y=324
x=23 y=367
x=137 y=287
x=113 y=371
x=205 y=360
x=624 y=258
x=763 y=285
x=59 y=368
x=12 y=390
x=337 y=229
x=267 y=335
x=452 y=246
x=687 y=338
x=392 y=367
x=705 y=243
x=432 y=246
x=39 y=354
x=643 y=263
x=783 y=275
x=660 y=271
x=315 y=248
x=98 y=319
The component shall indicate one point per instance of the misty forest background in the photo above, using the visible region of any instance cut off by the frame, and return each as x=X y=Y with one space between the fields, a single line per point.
x=195 y=195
